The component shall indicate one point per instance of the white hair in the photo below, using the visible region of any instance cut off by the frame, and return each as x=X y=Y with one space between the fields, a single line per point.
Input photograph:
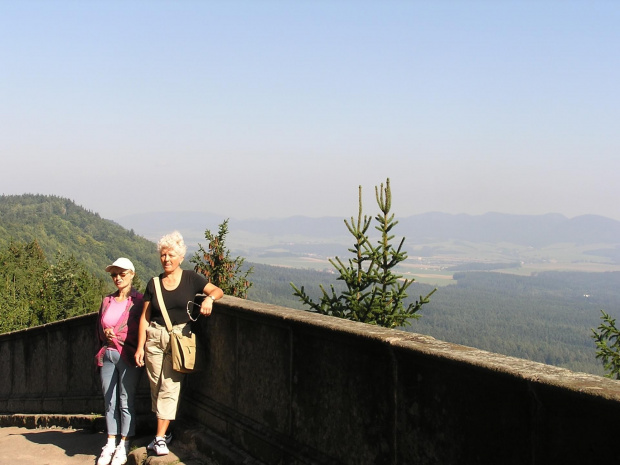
x=173 y=241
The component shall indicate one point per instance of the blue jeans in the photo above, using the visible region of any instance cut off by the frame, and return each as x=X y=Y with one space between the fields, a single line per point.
x=119 y=381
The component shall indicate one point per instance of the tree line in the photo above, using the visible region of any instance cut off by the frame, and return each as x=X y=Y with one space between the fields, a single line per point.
x=34 y=291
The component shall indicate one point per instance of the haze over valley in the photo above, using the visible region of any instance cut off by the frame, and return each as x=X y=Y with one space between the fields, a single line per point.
x=437 y=244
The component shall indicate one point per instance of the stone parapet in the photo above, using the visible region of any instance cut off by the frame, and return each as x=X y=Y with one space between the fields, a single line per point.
x=285 y=386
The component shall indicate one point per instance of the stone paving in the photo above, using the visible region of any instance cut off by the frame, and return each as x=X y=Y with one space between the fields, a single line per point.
x=66 y=446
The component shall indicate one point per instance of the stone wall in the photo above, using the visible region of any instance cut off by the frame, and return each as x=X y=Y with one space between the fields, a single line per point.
x=291 y=387
x=51 y=369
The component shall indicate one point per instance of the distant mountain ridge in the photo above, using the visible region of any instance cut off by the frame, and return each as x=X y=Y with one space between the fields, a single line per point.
x=529 y=230
x=59 y=225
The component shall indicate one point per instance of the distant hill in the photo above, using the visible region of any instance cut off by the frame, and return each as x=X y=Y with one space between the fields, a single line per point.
x=529 y=230
x=61 y=226
x=435 y=242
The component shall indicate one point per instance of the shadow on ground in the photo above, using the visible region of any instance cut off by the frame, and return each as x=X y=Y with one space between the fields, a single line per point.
x=74 y=442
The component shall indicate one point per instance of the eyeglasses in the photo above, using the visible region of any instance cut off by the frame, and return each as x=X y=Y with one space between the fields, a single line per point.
x=190 y=310
x=122 y=275
x=190 y=307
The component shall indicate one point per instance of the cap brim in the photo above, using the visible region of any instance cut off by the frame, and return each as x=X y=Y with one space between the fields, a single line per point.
x=111 y=267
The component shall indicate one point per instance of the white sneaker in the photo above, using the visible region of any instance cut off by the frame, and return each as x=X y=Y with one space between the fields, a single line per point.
x=167 y=438
x=120 y=454
x=106 y=454
x=160 y=447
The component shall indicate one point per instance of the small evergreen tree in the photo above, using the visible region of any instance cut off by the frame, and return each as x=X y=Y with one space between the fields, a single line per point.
x=220 y=269
x=607 y=341
x=374 y=293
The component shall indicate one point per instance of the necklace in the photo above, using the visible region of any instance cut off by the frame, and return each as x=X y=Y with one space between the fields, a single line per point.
x=172 y=281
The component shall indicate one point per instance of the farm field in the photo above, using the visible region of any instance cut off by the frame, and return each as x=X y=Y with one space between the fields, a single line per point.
x=436 y=263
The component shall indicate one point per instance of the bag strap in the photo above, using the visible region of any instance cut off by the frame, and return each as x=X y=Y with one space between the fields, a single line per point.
x=162 y=305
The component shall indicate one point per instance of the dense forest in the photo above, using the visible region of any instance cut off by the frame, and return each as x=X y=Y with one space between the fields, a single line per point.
x=545 y=317
x=33 y=291
x=51 y=246
x=61 y=227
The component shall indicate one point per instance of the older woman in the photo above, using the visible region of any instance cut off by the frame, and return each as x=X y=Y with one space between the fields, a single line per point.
x=178 y=287
x=117 y=330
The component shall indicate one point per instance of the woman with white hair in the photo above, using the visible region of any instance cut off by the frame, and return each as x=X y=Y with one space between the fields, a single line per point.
x=178 y=287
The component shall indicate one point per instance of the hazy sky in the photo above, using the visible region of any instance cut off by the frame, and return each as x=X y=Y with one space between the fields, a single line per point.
x=280 y=108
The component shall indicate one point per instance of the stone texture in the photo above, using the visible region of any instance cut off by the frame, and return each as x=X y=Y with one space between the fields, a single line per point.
x=284 y=386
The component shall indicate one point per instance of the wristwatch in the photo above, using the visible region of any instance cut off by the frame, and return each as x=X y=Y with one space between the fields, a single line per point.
x=212 y=298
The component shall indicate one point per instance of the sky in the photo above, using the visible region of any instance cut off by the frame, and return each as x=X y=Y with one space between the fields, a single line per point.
x=271 y=109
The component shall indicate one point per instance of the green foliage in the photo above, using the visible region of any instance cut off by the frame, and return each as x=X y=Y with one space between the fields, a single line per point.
x=62 y=228
x=53 y=255
x=607 y=342
x=220 y=269
x=546 y=317
x=272 y=284
x=34 y=292
x=22 y=290
x=374 y=293
x=72 y=289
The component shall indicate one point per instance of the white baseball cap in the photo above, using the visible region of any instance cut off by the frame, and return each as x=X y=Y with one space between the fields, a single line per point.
x=123 y=263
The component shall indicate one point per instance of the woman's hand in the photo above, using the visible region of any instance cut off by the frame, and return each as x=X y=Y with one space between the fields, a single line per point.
x=213 y=293
x=206 y=307
x=145 y=318
x=109 y=335
x=139 y=357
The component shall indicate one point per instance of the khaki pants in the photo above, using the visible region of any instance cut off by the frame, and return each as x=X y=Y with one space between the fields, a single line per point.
x=165 y=382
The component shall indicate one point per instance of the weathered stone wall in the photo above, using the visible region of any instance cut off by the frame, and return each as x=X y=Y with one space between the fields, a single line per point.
x=291 y=387
x=51 y=369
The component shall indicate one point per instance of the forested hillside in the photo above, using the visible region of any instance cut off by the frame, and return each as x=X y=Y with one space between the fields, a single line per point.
x=545 y=318
x=61 y=227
